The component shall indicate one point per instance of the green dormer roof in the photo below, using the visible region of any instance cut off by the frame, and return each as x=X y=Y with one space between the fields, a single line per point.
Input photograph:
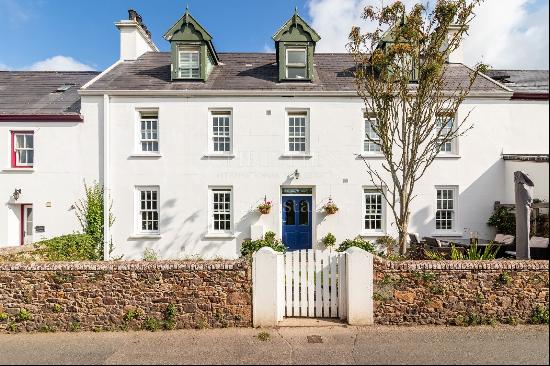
x=188 y=29
x=296 y=30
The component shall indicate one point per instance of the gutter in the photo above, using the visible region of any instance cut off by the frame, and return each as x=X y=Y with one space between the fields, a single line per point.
x=41 y=118
x=529 y=96
x=262 y=93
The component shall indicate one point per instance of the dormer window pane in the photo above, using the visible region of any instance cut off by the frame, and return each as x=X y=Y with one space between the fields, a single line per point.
x=296 y=63
x=189 y=64
x=296 y=57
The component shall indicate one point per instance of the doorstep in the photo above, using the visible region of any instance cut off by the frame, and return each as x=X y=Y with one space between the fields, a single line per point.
x=312 y=322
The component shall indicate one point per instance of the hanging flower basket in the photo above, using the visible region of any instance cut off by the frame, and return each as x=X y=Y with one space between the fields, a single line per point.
x=265 y=207
x=330 y=207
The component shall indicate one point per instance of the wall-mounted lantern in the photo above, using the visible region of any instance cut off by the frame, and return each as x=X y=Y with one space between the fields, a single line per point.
x=296 y=174
x=16 y=194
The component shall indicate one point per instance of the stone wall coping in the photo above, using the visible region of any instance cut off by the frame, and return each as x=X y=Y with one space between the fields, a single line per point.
x=446 y=265
x=135 y=266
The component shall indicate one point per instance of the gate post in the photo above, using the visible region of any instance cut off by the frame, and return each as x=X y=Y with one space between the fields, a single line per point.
x=268 y=288
x=359 y=286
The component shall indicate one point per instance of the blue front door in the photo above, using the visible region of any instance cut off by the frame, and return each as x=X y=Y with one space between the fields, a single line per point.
x=297 y=222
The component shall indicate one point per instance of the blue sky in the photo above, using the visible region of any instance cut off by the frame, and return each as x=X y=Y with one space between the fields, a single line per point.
x=76 y=34
x=85 y=31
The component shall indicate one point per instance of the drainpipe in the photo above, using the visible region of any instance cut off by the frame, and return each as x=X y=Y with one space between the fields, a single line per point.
x=106 y=177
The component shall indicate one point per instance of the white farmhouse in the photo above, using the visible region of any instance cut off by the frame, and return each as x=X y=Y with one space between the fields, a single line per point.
x=189 y=142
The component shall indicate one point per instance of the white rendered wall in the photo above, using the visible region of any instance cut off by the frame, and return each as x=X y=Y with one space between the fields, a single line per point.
x=538 y=172
x=65 y=154
x=184 y=173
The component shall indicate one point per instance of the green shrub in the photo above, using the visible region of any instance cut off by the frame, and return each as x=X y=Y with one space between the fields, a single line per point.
x=249 y=246
x=358 y=242
x=264 y=336
x=46 y=329
x=388 y=243
x=57 y=308
x=511 y=321
x=433 y=255
x=488 y=252
x=151 y=324
x=131 y=315
x=170 y=312
x=23 y=315
x=503 y=220
x=89 y=212
x=150 y=255
x=71 y=247
x=3 y=317
x=504 y=278
x=539 y=315
x=329 y=240
x=74 y=327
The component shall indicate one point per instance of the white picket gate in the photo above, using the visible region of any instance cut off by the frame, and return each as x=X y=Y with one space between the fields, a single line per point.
x=314 y=284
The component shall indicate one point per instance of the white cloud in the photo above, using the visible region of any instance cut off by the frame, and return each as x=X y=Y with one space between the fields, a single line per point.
x=4 y=67
x=504 y=34
x=59 y=63
x=509 y=34
x=333 y=20
x=267 y=48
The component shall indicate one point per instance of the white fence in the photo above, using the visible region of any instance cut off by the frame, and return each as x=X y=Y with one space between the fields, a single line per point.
x=311 y=283
x=314 y=284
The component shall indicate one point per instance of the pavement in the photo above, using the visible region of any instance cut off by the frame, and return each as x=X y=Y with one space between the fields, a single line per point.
x=286 y=345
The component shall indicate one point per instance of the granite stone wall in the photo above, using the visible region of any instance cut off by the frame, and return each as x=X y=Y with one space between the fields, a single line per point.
x=124 y=295
x=101 y=296
x=460 y=292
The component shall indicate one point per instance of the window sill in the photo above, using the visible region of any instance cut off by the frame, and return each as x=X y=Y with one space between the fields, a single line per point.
x=296 y=156
x=140 y=156
x=447 y=156
x=369 y=156
x=145 y=236
x=18 y=170
x=219 y=236
x=441 y=234
x=373 y=234
x=219 y=156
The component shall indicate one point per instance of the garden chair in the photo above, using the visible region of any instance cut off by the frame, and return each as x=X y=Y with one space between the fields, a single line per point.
x=504 y=239
x=433 y=242
x=414 y=239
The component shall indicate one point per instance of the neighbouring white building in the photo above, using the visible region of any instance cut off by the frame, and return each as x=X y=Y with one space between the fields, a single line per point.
x=47 y=153
x=189 y=142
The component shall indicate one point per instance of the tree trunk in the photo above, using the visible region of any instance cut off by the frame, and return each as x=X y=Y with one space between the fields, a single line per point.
x=403 y=229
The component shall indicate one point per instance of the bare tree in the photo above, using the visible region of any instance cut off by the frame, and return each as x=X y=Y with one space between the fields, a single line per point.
x=402 y=74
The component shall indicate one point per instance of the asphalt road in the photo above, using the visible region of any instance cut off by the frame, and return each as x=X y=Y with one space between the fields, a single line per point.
x=339 y=345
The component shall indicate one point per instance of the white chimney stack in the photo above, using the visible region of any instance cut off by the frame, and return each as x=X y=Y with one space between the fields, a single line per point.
x=135 y=38
x=457 y=56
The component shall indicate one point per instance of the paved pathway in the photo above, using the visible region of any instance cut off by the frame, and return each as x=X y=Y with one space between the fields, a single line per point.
x=340 y=345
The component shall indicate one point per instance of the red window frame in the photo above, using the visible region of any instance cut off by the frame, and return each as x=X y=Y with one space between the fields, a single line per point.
x=13 y=153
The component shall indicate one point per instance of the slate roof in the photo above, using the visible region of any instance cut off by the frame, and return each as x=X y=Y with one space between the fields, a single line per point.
x=253 y=71
x=34 y=92
x=524 y=81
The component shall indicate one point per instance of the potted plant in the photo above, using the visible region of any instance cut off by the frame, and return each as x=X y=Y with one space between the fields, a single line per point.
x=265 y=207
x=330 y=207
x=329 y=240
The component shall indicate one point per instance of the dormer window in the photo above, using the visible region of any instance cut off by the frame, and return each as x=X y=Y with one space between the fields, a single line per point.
x=189 y=63
x=295 y=46
x=193 y=54
x=296 y=63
